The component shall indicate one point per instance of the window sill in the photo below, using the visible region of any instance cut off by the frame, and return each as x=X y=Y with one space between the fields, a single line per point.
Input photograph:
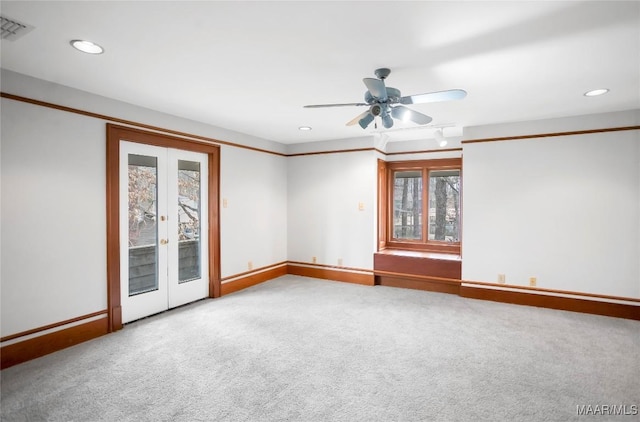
x=429 y=247
x=422 y=254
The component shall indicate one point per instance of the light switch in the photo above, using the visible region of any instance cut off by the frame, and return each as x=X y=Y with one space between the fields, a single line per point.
x=360 y=206
x=224 y=203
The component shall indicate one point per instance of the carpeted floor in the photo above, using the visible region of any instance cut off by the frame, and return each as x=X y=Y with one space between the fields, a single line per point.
x=300 y=349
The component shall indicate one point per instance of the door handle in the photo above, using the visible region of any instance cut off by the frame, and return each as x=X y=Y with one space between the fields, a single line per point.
x=163 y=241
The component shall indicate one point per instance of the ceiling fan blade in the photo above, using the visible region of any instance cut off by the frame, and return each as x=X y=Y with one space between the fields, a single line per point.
x=405 y=114
x=357 y=118
x=432 y=97
x=335 y=105
x=376 y=88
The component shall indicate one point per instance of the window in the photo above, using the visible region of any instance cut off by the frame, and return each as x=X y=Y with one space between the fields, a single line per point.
x=423 y=205
x=407 y=204
x=444 y=205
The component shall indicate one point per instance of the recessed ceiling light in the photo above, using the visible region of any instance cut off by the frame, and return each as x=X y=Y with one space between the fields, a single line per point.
x=87 y=47
x=304 y=128
x=596 y=92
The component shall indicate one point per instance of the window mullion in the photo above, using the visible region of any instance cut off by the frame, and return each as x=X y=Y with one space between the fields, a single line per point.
x=425 y=205
x=390 y=193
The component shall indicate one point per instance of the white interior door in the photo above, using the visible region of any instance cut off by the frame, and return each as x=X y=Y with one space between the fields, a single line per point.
x=163 y=229
x=188 y=247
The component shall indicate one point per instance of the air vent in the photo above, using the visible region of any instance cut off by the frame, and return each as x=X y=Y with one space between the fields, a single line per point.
x=12 y=29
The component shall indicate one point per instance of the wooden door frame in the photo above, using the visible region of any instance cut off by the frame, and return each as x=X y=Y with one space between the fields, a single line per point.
x=117 y=133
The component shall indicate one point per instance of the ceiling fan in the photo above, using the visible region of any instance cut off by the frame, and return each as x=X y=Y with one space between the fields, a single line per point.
x=388 y=103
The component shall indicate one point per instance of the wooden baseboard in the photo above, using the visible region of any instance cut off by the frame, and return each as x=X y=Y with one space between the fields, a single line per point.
x=347 y=275
x=431 y=284
x=330 y=273
x=588 y=306
x=36 y=347
x=252 y=279
x=32 y=348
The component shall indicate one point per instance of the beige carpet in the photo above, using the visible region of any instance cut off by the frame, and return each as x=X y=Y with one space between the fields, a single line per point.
x=300 y=349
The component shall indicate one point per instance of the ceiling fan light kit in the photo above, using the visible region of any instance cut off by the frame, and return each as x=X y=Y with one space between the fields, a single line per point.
x=364 y=122
x=388 y=103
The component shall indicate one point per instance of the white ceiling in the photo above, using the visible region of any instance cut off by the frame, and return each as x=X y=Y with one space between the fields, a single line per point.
x=251 y=66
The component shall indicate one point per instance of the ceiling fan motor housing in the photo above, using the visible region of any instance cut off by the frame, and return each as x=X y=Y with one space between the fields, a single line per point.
x=393 y=96
x=376 y=110
x=382 y=73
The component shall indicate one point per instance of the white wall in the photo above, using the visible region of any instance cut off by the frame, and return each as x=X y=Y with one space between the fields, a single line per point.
x=53 y=206
x=324 y=192
x=53 y=264
x=562 y=209
x=254 y=223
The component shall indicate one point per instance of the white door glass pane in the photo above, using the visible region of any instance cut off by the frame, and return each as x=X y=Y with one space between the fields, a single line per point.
x=189 y=217
x=143 y=228
x=188 y=254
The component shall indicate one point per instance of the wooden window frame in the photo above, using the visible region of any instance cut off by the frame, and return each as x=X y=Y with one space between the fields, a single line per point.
x=386 y=174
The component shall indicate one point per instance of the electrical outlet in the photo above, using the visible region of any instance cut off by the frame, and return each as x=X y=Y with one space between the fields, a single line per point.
x=314 y=260
x=224 y=203
x=340 y=262
x=250 y=265
x=533 y=282
x=501 y=278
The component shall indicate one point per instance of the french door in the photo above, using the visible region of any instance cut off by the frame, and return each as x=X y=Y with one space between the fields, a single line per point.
x=164 y=254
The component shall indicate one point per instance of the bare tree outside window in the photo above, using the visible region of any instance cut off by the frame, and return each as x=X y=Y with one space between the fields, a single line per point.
x=143 y=229
x=142 y=200
x=189 y=188
x=444 y=205
x=188 y=200
x=407 y=205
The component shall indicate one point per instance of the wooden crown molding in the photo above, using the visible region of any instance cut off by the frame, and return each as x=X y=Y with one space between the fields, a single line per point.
x=550 y=135
x=233 y=144
x=133 y=123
